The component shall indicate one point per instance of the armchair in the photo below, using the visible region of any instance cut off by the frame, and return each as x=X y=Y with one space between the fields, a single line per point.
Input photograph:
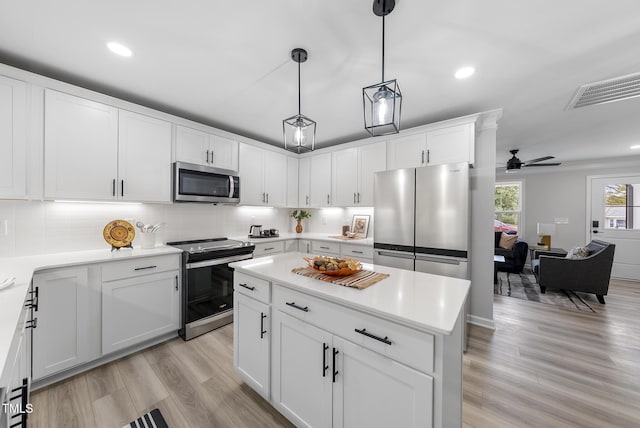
x=514 y=258
x=590 y=275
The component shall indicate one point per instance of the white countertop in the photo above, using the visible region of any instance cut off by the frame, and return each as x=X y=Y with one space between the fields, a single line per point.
x=22 y=268
x=420 y=300
x=311 y=236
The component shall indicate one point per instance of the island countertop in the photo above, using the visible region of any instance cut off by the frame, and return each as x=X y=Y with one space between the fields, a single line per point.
x=419 y=300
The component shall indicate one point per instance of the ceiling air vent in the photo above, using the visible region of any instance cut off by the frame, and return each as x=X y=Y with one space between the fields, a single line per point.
x=606 y=91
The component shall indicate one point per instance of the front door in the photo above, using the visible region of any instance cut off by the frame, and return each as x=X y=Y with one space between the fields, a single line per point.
x=615 y=218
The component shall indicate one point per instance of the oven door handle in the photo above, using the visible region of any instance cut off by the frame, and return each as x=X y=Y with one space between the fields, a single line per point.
x=221 y=261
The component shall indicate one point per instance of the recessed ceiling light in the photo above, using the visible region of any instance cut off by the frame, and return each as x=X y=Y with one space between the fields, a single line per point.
x=465 y=72
x=637 y=146
x=119 y=49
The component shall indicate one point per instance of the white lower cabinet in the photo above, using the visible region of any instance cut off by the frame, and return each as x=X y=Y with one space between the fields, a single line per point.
x=139 y=308
x=268 y=248
x=322 y=364
x=62 y=338
x=86 y=312
x=251 y=326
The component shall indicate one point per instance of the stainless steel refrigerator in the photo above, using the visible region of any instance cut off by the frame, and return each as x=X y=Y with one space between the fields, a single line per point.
x=422 y=219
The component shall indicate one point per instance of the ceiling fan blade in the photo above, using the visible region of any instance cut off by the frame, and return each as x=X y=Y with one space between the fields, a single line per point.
x=539 y=159
x=544 y=164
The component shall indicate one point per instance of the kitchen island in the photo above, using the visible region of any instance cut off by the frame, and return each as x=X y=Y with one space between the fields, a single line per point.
x=329 y=355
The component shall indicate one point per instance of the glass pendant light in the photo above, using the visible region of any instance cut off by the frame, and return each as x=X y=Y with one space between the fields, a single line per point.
x=298 y=131
x=382 y=102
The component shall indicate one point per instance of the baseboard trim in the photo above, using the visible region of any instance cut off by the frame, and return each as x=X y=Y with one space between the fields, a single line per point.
x=481 y=322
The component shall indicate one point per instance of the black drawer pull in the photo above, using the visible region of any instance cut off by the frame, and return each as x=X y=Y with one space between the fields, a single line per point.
x=373 y=336
x=248 y=287
x=33 y=323
x=325 y=248
x=357 y=252
x=146 y=267
x=269 y=248
x=293 y=305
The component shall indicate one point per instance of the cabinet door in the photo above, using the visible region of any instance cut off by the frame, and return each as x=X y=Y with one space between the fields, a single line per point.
x=251 y=175
x=275 y=178
x=13 y=126
x=344 y=167
x=192 y=146
x=80 y=148
x=371 y=159
x=320 y=180
x=302 y=375
x=304 y=245
x=292 y=182
x=252 y=335
x=61 y=339
x=223 y=153
x=451 y=145
x=407 y=152
x=373 y=390
x=304 y=181
x=144 y=158
x=138 y=309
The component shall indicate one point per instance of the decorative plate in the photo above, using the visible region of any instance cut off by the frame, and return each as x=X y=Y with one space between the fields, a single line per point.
x=119 y=233
x=334 y=266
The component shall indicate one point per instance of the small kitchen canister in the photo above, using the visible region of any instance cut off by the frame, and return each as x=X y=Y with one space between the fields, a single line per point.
x=147 y=239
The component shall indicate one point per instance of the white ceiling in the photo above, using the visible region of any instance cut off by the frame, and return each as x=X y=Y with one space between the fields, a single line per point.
x=228 y=63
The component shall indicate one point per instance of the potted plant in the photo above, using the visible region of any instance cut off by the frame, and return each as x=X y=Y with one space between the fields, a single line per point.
x=299 y=215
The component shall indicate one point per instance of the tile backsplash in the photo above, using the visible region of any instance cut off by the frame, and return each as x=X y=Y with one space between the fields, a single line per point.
x=34 y=227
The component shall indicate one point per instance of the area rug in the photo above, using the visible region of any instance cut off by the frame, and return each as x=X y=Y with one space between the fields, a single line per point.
x=524 y=286
x=153 y=419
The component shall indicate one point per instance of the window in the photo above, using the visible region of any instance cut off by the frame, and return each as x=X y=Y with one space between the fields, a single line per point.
x=508 y=206
x=619 y=207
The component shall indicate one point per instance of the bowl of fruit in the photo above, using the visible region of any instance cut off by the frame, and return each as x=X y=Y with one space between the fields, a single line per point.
x=334 y=266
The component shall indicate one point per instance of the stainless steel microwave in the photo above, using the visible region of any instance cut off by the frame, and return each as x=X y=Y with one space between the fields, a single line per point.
x=199 y=183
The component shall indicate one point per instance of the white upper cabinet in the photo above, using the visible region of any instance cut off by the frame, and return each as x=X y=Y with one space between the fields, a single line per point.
x=13 y=126
x=292 y=182
x=201 y=148
x=320 y=180
x=353 y=172
x=450 y=144
x=81 y=148
x=96 y=152
x=263 y=177
x=144 y=158
x=304 y=182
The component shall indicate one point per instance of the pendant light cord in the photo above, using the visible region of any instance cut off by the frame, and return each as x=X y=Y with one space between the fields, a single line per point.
x=383 y=45
x=299 y=109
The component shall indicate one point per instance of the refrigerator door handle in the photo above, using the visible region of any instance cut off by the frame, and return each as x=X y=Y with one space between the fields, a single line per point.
x=435 y=259
x=399 y=255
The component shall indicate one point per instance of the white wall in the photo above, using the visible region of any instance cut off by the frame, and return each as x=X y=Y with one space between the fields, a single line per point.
x=559 y=192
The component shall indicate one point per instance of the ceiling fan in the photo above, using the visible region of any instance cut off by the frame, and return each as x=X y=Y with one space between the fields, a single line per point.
x=514 y=164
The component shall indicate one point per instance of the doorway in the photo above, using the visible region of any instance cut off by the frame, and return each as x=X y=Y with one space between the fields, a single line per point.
x=614 y=210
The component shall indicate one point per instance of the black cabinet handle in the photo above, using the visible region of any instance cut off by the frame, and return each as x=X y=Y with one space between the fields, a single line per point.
x=293 y=305
x=246 y=286
x=357 y=252
x=428 y=157
x=325 y=367
x=176 y=282
x=269 y=248
x=335 y=371
x=262 y=330
x=422 y=162
x=122 y=188
x=32 y=323
x=113 y=187
x=325 y=248
x=146 y=267
x=33 y=301
x=207 y=156
x=24 y=401
x=373 y=336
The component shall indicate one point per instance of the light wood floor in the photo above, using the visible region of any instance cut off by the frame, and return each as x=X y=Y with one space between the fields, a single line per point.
x=542 y=367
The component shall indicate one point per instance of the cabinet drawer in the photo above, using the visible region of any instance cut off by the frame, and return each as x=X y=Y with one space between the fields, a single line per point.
x=268 y=248
x=407 y=345
x=356 y=251
x=322 y=247
x=251 y=286
x=139 y=266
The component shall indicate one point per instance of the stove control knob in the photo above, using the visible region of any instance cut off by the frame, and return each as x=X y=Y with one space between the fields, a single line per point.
x=199 y=249
x=191 y=250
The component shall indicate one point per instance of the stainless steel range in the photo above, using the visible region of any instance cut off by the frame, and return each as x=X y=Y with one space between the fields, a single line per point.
x=207 y=293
